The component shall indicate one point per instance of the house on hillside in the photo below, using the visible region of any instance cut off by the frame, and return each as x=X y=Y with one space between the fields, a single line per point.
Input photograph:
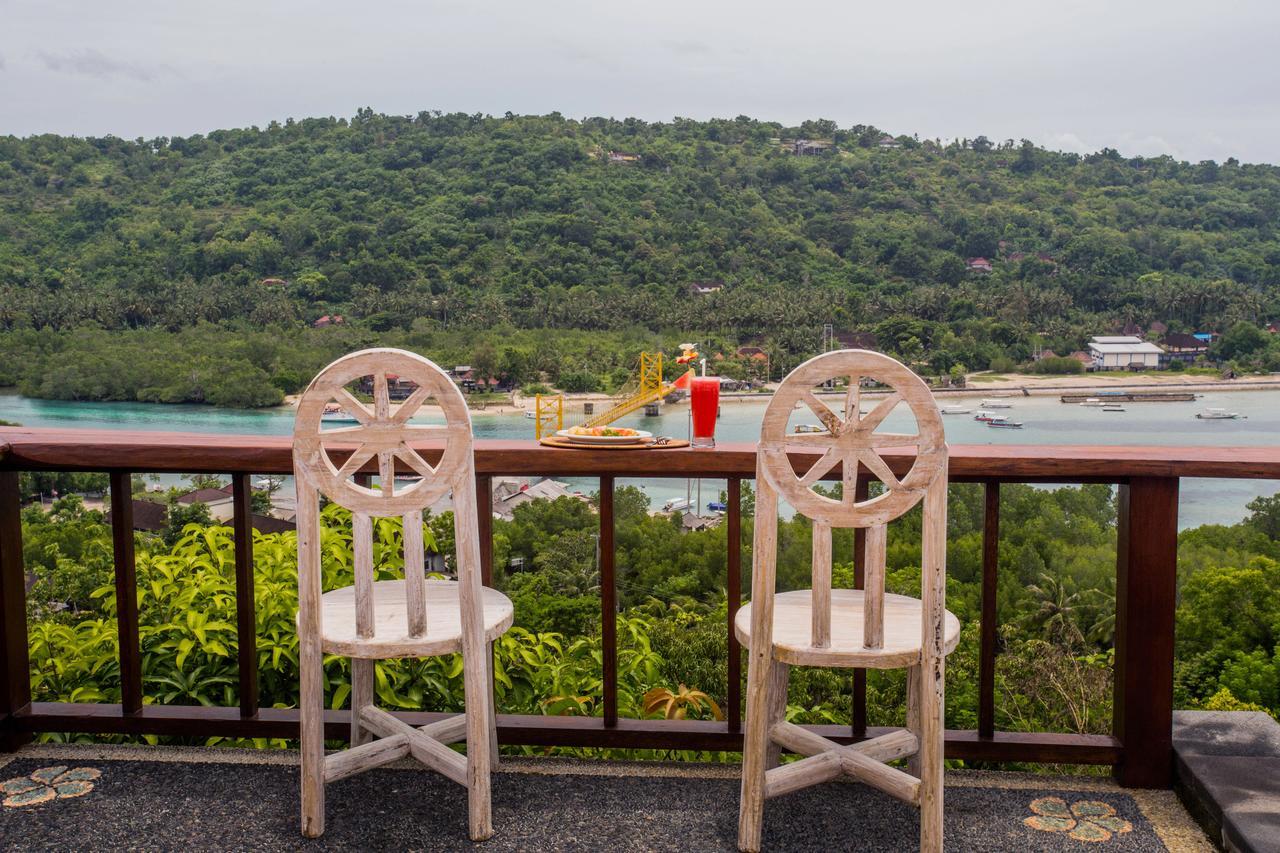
x=511 y=493
x=220 y=502
x=397 y=388
x=1157 y=328
x=274 y=282
x=148 y=516
x=811 y=147
x=857 y=340
x=1124 y=352
x=1043 y=354
x=623 y=157
x=1082 y=357
x=702 y=288
x=1179 y=346
x=691 y=521
x=888 y=141
x=329 y=320
x=978 y=265
x=752 y=353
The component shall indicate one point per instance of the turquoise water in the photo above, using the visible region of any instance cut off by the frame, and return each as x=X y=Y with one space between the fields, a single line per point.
x=1047 y=420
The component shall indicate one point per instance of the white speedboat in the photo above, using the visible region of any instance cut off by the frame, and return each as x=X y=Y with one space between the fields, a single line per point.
x=803 y=428
x=530 y=414
x=955 y=410
x=677 y=505
x=335 y=414
x=1214 y=414
x=995 y=404
x=1093 y=402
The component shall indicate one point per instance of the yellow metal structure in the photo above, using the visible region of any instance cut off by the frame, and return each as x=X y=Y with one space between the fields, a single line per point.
x=549 y=415
x=650 y=390
x=549 y=411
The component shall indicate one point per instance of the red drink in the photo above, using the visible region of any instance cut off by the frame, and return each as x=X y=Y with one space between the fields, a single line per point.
x=704 y=400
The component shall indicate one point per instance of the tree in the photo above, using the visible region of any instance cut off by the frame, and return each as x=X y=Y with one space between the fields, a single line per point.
x=1241 y=342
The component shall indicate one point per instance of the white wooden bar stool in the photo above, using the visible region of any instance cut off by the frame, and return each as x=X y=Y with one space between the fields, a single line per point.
x=847 y=628
x=412 y=617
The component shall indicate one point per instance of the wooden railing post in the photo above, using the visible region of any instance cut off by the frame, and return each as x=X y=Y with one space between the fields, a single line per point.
x=987 y=646
x=733 y=594
x=126 y=592
x=15 y=666
x=608 y=605
x=246 y=617
x=1146 y=585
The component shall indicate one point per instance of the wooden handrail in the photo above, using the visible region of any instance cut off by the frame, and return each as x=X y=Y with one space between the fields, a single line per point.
x=169 y=452
x=1146 y=573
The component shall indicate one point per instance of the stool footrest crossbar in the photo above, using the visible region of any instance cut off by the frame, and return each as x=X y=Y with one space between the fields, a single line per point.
x=396 y=739
x=829 y=760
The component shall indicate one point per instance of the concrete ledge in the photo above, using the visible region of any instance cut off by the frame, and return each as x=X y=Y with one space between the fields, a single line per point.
x=1228 y=769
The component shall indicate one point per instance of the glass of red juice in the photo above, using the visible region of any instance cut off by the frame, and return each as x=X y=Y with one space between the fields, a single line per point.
x=704 y=400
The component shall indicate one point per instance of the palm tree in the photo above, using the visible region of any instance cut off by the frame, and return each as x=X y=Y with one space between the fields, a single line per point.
x=1057 y=611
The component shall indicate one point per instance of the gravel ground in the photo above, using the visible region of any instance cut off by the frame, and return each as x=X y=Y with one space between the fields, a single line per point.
x=165 y=805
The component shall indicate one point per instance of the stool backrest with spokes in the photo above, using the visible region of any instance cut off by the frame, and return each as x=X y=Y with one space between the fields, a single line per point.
x=852 y=442
x=379 y=434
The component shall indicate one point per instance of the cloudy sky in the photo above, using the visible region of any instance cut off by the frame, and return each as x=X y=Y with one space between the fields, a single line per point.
x=1196 y=80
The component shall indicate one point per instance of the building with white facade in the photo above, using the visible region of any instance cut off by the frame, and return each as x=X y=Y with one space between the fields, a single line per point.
x=1123 y=352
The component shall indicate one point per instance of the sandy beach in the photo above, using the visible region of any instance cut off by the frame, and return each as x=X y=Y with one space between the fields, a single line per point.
x=978 y=385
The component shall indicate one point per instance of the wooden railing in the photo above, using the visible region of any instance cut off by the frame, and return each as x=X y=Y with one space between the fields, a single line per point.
x=1139 y=747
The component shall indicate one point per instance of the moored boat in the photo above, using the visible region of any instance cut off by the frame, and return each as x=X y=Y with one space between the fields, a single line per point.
x=1216 y=414
x=1002 y=422
x=990 y=403
x=335 y=414
x=984 y=415
x=955 y=410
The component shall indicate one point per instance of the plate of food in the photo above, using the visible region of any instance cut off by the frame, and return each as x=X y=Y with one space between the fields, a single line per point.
x=604 y=435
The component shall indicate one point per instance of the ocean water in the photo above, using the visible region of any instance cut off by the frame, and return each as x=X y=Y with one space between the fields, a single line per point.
x=1047 y=421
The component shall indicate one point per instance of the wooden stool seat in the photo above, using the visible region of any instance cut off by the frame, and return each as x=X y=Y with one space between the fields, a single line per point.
x=391 y=621
x=793 y=633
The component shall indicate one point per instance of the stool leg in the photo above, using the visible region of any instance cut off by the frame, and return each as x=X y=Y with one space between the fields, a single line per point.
x=311 y=718
x=493 y=715
x=931 y=766
x=913 y=718
x=362 y=675
x=777 y=710
x=755 y=743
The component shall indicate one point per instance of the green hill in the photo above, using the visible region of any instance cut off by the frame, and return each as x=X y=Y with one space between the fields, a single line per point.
x=446 y=232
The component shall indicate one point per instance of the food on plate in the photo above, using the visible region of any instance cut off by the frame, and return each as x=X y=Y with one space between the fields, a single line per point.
x=604 y=431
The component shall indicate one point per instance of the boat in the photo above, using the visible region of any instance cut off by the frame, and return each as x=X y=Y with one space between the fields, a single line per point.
x=677 y=505
x=717 y=506
x=333 y=413
x=955 y=410
x=803 y=428
x=1215 y=414
x=530 y=414
x=984 y=415
x=1113 y=407
x=1093 y=401
x=990 y=403
x=1001 y=422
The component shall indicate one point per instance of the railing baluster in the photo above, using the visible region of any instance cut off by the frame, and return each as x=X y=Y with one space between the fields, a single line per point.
x=987 y=653
x=733 y=592
x=1146 y=596
x=15 y=666
x=246 y=618
x=608 y=605
x=484 y=524
x=126 y=592
x=859 y=582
